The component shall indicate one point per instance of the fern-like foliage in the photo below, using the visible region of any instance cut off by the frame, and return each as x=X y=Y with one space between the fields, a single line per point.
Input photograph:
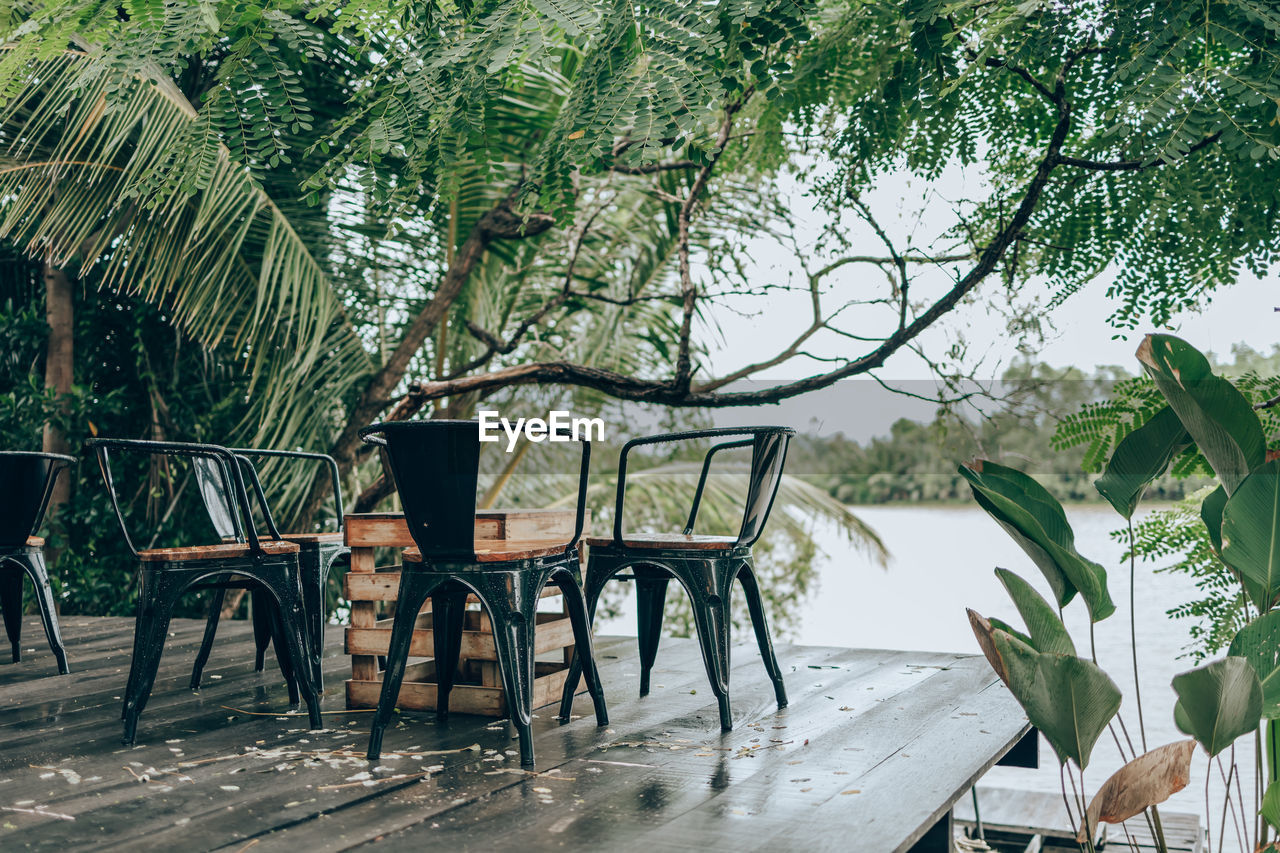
x=1103 y=424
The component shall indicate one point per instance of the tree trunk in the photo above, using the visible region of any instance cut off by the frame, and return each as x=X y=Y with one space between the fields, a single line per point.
x=59 y=367
x=501 y=222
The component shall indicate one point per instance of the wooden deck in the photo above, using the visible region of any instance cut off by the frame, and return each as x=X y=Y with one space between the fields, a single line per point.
x=874 y=748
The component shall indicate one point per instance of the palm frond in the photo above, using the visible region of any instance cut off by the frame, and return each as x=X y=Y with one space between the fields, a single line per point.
x=121 y=174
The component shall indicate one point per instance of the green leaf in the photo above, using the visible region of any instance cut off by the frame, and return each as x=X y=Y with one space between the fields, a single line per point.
x=1259 y=644
x=1001 y=625
x=1048 y=634
x=1141 y=457
x=1270 y=810
x=1214 y=412
x=1036 y=521
x=1218 y=703
x=1211 y=514
x=1251 y=534
x=1068 y=699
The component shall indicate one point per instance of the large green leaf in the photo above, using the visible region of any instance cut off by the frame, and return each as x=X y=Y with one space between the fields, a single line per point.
x=1270 y=810
x=1001 y=625
x=1251 y=534
x=1010 y=653
x=1038 y=524
x=1047 y=633
x=1259 y=643
x=1141 y=457
x=1216 y=415
x=1068 y=699
x=1211 y=514
x=1218 y=702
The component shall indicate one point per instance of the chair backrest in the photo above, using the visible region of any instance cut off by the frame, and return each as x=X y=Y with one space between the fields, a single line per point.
x=219 y=500
x=26 y=482
x=248 y=454
x=768 y=456
x=218 y=475
x=436 y=468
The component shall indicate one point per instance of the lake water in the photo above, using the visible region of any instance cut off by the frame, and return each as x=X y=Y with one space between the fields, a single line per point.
x=942 y=562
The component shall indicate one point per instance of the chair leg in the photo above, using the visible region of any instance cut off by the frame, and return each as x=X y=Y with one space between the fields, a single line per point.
x=755 y=604
x=512 y=602
x=651 y=597
x=575 y=605
x=448 y=613
x=281 y=583
x=711 y=616
x=284 y=660
x=598 y=574
x=11 y=602
x=261 y=611
x=415 y=586
x=210 y=631
x=39 y=574
x=155 y=604
x=315 y=567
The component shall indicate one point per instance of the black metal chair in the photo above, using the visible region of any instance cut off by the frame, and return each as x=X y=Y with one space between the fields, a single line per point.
x=435 y=466
x=26 y=482
x=318 y=552
x=270 y=565
x=706 y=566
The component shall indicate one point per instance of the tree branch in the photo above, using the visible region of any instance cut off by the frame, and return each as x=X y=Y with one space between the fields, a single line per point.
x=1135 y=165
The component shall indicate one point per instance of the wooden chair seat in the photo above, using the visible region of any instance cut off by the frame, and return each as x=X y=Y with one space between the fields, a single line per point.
x=324 y=538
x=499 y=550
x=35 y=542
x=226 y=550
x=681 y=541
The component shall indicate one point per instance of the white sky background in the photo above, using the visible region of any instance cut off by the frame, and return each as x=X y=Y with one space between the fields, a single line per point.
x=1080 y=335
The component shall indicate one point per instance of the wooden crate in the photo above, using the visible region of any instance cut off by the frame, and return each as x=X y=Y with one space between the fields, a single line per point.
x=478 y=685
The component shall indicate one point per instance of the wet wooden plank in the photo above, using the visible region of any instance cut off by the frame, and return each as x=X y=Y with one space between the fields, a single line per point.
x=229 y=766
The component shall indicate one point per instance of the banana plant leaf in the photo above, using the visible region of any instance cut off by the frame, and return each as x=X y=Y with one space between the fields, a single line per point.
x=1147 y=781
x=1001 y=625
x=1251 y=534
x=1004 y=650
x=1141 y=457
x=1045 y=629
x=1218 y=702
x=1259 y=644
x=1214 y=412
x=1270 y=810
x=1070 y=700
x=1038 y=524
x=1211 y=514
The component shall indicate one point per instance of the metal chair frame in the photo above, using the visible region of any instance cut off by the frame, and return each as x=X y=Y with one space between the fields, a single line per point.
x=315 y=559
x=435 y=465
x=163 y=581
x=706 y=574
x=28 y=479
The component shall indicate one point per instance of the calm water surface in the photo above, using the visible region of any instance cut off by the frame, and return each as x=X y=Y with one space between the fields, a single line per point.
x=942 y=562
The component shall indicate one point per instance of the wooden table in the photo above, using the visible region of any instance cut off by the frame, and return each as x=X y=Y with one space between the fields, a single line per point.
x=368 y=586
x=871 y=753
